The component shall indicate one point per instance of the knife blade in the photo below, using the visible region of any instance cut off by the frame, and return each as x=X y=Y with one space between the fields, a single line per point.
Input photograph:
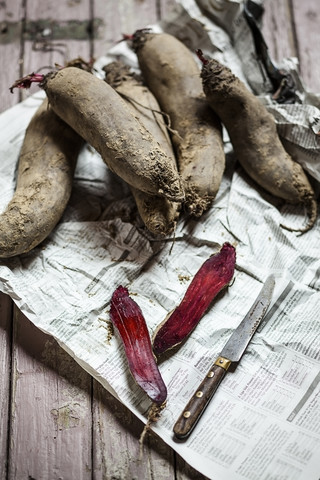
x=230 y=354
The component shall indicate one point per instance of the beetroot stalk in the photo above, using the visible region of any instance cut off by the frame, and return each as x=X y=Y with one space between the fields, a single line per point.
x=25 y=82
x=214 y=275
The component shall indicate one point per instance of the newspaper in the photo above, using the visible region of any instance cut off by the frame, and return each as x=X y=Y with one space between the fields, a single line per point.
x=263 y=422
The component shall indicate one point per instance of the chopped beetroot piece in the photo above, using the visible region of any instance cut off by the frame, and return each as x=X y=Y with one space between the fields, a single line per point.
x=128 y=319
x=215 y=274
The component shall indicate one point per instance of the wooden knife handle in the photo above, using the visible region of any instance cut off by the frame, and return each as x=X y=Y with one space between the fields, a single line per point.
x=200 y=399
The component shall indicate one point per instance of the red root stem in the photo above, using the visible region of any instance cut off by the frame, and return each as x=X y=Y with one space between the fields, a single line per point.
x=201 y=56
x=126 y=36
x=25 y=82
x=130 y=37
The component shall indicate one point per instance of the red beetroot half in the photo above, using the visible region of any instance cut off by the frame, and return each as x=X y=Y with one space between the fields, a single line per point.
x=215 y=274
x=129 y=321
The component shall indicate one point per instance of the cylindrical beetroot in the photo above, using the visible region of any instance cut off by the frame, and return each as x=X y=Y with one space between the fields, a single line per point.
x=128 y=319
x=158 y=213
x=45 y=172
x=253 y=134
x=100 y=116
x=215 y=274
x=172 y=74
x=103 y=119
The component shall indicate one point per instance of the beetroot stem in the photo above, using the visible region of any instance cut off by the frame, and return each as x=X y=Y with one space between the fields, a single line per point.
x=25 y=82
x=126 y=37
x=201 y=56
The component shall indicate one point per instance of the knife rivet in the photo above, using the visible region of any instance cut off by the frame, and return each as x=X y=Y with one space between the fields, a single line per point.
x=187 y=414
x=199 y=394
x=210 y=374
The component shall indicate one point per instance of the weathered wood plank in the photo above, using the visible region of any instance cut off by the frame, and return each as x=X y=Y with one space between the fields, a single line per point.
x=291 y=29
x=50 y=435
x=56 y=32
x=185 y=472
x=114 y=18
x=277 y=29
x=164 y=8
x=11 y=21
x=116 y=452
x=5 y=376
x=116 y=430
x=306 y=18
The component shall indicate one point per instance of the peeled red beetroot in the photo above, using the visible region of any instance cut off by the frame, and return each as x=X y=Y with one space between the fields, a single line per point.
x=128 y=319
x=215 y=274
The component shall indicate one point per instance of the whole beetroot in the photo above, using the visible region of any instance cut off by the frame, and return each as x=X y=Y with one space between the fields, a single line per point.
x=256 y=143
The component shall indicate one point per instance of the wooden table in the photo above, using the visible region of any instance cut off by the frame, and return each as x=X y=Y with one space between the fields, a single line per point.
x=56 y=421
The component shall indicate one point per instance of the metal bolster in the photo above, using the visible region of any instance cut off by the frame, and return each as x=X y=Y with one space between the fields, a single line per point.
x=223 y=362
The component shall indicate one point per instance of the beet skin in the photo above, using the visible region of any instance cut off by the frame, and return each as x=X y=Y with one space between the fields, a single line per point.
x=215 y=274
x=128 y=319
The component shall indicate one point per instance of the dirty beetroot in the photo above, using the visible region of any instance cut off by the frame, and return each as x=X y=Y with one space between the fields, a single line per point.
x=214 y=275
x=129 y=321
x=254 y=137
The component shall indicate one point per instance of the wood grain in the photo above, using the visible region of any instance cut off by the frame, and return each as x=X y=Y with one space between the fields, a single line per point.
x=5 y=378
x=55 y=33
x=277 y=29
x=114 y=18
x=11 y=54
x=50 y=432
x=291 y=29
x=197 y=404
x=116 y=433
x=306 y=25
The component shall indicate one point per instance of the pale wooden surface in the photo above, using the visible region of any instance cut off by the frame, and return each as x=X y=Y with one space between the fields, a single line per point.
x=56 y=422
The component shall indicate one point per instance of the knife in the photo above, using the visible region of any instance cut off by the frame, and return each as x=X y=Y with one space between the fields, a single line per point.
x=230 y=354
